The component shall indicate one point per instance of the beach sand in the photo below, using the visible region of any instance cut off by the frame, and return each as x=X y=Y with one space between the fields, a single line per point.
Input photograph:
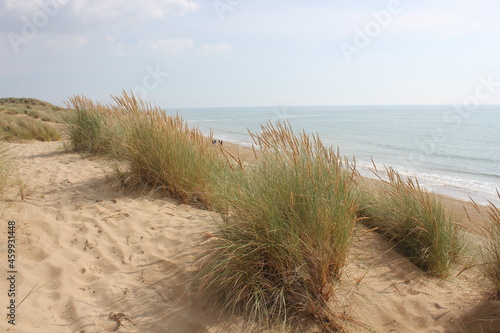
x=92 y=257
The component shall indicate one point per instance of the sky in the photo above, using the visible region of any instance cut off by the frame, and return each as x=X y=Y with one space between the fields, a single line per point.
x=223 y=53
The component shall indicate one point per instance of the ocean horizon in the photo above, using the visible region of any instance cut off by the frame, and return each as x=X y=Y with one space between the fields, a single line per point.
x=451 y=150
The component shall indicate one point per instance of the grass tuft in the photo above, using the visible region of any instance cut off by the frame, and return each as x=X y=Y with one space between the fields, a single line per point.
x=491 y=250
x=6 y=168
x=161 y=150
x=25 y=128
x=287 y=224
x=164 y=152
x=91 y=126
x=33 y=108
x=26 y=119
x=26 y=101
x=417 y=221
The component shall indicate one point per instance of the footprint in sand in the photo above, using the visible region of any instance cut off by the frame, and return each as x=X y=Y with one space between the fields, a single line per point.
x=95 y=269
x=56 y=296
x=138 y=259
x=36 y=254
x=116 y=216
x=60 y=216
x=152 y=232
x=132 y=240
x=113 y=321
x=89 y=245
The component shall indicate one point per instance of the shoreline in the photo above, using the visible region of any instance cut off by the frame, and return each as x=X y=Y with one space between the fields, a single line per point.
x=439 y=187
x=446 y=164
x=461 y=209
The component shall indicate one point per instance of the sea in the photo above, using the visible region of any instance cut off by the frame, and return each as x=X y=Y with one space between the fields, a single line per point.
x=452 y=150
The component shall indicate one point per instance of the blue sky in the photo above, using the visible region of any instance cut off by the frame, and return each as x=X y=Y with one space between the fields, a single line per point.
x=209 y=53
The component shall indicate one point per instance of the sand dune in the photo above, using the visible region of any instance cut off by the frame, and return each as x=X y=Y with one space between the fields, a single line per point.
x=94 y=258
x=102 y=260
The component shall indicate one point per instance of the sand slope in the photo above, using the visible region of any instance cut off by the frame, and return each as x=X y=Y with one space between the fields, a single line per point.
x=395 y=296
x=103 y=260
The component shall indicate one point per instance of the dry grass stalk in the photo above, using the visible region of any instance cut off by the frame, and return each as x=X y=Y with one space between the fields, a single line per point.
x=6 y=168
x=491 y=249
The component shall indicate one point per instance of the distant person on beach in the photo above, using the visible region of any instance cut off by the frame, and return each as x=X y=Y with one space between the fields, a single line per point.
x=217 y=142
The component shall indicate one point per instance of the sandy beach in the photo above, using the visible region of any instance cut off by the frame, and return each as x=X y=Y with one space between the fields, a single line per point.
x=93 y=257
x=228 y=166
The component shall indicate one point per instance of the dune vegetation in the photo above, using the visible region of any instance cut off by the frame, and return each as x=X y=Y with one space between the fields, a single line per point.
x=492 y=270
x=416 y=220
x=160 y=150
x=6 y=168
x=91 y=126
x=287 y=220
x=29 y=119
x=287 y=224
x=491 y=249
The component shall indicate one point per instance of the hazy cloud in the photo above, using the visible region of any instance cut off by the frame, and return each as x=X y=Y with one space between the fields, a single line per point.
x=167 y=46
x=93 y=10
x=115 y=12
x=213 y=48
x=122 y=49
x=26 y=7
x=62 y=43
x=441 y=24
x=438 y=45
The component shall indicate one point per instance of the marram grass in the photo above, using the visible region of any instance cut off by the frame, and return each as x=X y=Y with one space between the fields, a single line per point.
x=417 y=222
x=91 y=126
x=287 y=220
x=6 y=168
x=25 y=128
x=164 y=152
x=33 y=108
x=161 y=150
x=491 y=249
x=287 y=224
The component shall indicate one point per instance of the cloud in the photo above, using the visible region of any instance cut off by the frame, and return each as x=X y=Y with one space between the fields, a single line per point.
x=110 y=12
x=167 y=46
x=164 y=46
x=443 y=25
x=94 y=10
x=63 y=43
x=151 y=46
x=122 y=49
x=26 y=7
x=213 y=48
